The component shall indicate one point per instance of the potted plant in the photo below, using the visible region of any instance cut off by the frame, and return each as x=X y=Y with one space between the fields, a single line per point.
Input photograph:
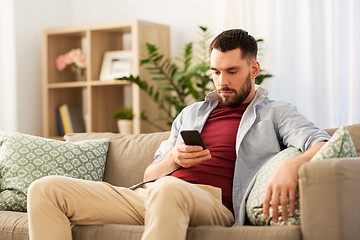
x=124 y=116
x=181 y=82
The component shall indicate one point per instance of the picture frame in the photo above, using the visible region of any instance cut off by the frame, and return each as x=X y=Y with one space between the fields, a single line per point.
x=116 y=64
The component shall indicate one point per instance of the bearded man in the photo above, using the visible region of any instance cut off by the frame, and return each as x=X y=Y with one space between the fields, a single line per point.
x=241 y=129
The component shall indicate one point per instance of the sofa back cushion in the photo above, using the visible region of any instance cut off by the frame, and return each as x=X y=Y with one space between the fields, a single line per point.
x=354 y=131
x=128 y=154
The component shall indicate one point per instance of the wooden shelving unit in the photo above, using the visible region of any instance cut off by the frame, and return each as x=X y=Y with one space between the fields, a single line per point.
x=99 y=99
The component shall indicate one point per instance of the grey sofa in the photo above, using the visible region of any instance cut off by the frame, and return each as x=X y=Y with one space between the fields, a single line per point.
x=329 y=197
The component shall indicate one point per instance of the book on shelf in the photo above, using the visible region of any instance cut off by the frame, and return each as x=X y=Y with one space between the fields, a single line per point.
x=70 y=119
x=60 y=123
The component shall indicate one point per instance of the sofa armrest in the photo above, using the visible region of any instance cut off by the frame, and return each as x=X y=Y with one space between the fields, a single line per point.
x=330 y=199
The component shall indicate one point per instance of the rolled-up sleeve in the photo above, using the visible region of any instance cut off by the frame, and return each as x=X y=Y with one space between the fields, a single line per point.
x=297 y=130
x=168 y=144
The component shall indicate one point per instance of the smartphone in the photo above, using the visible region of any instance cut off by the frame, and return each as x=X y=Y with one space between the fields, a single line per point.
x=192 y=137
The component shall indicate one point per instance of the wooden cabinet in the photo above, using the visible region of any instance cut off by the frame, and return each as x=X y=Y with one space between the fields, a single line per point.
x=99 y=99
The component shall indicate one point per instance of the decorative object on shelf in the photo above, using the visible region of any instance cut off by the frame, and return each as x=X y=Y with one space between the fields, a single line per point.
x=124 y=116
x=76 y=60
x=116 y=64
x=178 y=85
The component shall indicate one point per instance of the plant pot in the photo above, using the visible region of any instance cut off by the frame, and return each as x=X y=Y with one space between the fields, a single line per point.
x=125 y=126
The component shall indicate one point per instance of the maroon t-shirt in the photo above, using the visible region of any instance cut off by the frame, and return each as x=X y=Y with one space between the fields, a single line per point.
x=219 y=136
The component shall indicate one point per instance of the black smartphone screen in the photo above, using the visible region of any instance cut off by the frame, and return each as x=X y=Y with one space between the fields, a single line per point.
x=192 y=137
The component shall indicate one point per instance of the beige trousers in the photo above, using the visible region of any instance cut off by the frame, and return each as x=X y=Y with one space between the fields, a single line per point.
x=171 y=206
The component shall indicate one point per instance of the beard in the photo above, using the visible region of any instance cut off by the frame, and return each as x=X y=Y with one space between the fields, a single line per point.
x=240 y=95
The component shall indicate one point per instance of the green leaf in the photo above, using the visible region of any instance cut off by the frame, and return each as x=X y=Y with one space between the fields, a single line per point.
x=144 y=61
x=160 y=116
x=204 y=29
x=193 y=92
x=124 y=113
x=158 y=78
x=165 y=64
x=143 y=116
x=168 y=89
x=151 y=90
x=177 y=76
x=151 y=48
x=156 y=96
x=157 y=58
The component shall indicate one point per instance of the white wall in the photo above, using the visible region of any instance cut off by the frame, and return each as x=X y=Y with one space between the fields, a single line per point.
x=31 y=16
x=8 y=101
x=182 y=16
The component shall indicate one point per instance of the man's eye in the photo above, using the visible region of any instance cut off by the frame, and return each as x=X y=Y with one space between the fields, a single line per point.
x=216 y=72
x=232 y=73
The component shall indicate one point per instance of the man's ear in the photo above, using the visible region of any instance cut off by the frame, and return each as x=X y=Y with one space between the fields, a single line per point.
x=255 y=69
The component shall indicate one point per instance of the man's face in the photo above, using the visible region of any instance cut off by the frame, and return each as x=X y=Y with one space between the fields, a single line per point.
x=233 y=76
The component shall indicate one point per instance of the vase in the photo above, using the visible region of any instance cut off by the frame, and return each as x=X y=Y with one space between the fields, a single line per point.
x=125 y=126
x=80 y=74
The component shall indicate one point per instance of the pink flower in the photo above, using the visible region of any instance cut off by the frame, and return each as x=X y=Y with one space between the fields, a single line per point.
x=80 y=61
x=67 y=59
x=74 y=57
x=60 y=63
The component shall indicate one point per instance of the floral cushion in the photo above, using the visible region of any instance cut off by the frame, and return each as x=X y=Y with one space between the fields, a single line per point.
x=340 y=145
x=25 y=158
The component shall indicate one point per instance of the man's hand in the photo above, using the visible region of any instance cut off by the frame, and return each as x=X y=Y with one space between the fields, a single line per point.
x=281 y=188
x=187 y=156
x=180 y=155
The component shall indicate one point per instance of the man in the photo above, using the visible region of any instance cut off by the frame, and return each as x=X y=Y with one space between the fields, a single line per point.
x=241 y=129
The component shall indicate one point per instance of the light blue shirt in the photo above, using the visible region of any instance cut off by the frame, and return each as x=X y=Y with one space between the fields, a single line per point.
x=266 y=128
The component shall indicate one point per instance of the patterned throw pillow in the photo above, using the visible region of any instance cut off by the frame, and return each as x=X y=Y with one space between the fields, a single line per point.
x=253 y=209
x=340 y=145
x=25 y=158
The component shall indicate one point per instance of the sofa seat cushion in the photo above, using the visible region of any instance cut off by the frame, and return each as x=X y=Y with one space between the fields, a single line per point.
x=244 y=232
x=128 y=155
x=129 y=232
x=13 y=225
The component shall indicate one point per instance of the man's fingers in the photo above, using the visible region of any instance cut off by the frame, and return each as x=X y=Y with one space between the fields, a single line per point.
x=191 y=162
x=266 y=202
x=283 y=202
x=275 y=206
x=189 y=148
x=189 y=158
x=292 y=201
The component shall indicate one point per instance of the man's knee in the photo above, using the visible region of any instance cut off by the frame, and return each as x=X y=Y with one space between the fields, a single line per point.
x=169 y=189
x=44 y=187
x=168 y=183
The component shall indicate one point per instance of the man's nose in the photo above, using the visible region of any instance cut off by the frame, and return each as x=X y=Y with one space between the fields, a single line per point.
x=223 y=80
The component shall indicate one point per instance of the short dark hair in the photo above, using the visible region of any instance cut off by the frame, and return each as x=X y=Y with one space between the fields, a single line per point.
x=233 y=39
